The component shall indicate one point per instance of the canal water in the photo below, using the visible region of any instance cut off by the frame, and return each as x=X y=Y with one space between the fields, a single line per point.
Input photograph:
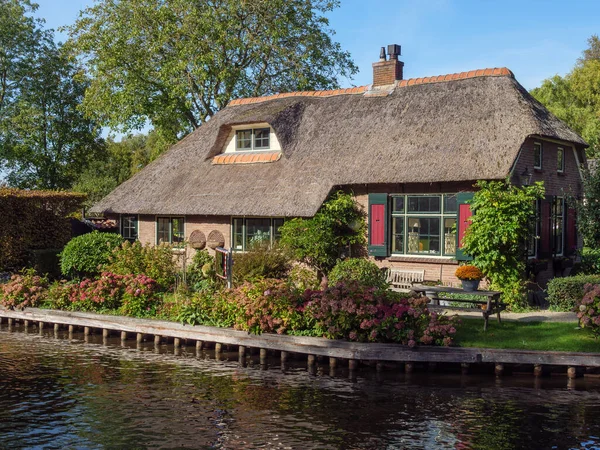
x=63 y=393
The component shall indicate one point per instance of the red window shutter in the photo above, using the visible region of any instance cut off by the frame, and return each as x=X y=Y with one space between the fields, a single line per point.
x=464 y=213
x=463 y=220
x=377 y=234
x=571 y=231
x=545 y=232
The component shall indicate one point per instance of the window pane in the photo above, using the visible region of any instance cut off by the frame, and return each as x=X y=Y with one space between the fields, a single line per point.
x=276 y=224
x=177 y=229
x=450 y=205
x=424 y=203
x=398 y=234
x=398 y=204
x=450 y=236
x=424 y=235
x=261 y=138
x=238 y=234
x=162 y=230
x=244 y=140
x=537 y=155
x=560 y=163
x=257 y=231
x=129 y=227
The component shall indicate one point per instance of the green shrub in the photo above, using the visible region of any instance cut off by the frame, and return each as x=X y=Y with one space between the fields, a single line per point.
x=85 y=256
x=362 y=271
x=303 y=278
x=24 y=289
x=60 y=294
x=565 y=293
x=156 y=262
x=46 y=262
x=208 y=308
x=261 y=261
x=590 y=261
x=588 y=309
x=201 y=272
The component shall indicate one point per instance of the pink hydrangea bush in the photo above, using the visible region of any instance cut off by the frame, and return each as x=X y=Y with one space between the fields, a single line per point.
x=23 y=290
x=588 y=309
x=359 y=313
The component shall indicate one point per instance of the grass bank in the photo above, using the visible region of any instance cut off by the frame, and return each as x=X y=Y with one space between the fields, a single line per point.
x=543 y=336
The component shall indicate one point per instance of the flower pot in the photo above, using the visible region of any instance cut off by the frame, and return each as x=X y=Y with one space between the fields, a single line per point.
x=470 y=285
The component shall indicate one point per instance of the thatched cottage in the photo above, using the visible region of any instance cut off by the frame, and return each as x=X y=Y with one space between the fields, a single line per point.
x=409 y=150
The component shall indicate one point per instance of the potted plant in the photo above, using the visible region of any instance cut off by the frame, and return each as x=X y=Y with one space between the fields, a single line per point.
x=470 y=276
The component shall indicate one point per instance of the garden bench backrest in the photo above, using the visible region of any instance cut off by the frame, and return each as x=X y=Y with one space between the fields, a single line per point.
x=404 y=279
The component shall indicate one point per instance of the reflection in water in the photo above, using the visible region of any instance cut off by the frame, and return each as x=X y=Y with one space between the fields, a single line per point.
x=61 y=393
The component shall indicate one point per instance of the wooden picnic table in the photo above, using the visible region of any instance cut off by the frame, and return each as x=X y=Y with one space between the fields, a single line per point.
x=491 y=305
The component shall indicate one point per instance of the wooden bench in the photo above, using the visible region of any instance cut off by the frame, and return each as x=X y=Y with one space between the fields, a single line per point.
x=491 y=304
x=403 y=280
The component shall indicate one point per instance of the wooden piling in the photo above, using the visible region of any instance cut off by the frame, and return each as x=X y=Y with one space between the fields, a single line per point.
x=198 y=346
x=139 y=338
x=263 y=356
x=41 y=327
x=538 y=370
x=333 y=362
x=123 y=336
x=379 y=366
x=105 y=333
x=56 y=327
x=26 y=324
x=284 y=357
x=572 y=372
x=464 y=368
x=499 y=369
x=310 y=360
x=352 y=364
x=176 y=343
x=409 y=367
x=156 y=340
x=241 y=352
x=86 y=331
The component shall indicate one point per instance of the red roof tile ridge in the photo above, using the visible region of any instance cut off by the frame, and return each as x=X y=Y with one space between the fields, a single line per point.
x=330 y=93
x=488 y=72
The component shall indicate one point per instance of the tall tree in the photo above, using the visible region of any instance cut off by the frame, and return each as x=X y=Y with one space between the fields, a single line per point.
x=175 y=63
x=575 y=98
x=50 y=140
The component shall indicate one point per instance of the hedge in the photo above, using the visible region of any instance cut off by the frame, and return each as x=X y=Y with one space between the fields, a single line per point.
x=565 y=293
x=33 y=220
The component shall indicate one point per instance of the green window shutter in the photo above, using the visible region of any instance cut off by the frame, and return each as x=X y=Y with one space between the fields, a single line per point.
x=378 y=225
x=462 y=222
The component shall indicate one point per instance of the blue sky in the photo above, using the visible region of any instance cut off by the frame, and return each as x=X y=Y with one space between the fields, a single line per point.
x=535 y=39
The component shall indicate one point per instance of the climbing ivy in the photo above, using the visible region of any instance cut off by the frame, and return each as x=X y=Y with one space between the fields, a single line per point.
x=498 y=233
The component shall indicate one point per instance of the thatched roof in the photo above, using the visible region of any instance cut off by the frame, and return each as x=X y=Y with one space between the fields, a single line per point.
x=449 y=128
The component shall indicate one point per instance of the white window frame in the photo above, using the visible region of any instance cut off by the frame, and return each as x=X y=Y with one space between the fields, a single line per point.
x=562 y=160
x=541 y=155
x=253 y=146
x=137 y=226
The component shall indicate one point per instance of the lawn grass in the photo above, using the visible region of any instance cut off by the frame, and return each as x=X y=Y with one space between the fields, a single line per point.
x=549 y=336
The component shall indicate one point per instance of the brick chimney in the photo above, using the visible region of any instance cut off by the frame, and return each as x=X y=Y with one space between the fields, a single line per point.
x=387 y=71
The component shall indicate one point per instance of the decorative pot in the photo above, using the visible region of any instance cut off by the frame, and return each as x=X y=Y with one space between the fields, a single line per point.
x=470 y=285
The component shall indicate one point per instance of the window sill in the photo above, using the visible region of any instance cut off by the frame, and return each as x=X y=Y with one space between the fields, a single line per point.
x=424 y=259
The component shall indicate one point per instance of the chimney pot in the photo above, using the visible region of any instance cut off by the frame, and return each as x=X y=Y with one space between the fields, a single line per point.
x=382 y=54
x=387 y=72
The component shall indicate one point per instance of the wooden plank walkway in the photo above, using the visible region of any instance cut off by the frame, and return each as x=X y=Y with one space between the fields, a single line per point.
x=353 y=351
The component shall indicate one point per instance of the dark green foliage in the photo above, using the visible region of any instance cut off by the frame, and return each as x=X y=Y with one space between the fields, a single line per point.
x=565 y=293
x=46 y=262
x=319 y=241
x=261 y=261
x=588 y=210
x=85 y=256
x=589 y=264
x=363 y=271
x=155 y=261
x=499 y=228
x=201 y=272
x=33 y=220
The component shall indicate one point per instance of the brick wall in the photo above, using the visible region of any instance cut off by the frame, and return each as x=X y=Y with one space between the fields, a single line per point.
x=387 y=72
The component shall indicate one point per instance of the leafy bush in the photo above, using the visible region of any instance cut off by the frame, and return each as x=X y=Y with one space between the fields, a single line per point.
x=358 y=313
x=46 y=262
x=156 y=262
x=500 y=224
x=303 y=278
x=208 y=308
x=139 y=299
x=565 y=293
x=363 y=271
x=267 y=306
x=588 y=309
x=85 y=256
x=319 y=241
x=201 y=272
x=261 y=261
x=60 y=294
x=590 y=261
x=23 y=290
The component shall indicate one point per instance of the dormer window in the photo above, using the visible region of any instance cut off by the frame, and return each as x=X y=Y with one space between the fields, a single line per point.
x=254 y=139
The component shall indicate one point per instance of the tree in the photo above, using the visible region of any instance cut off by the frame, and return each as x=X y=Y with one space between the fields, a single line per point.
x=122 y=160
x=175 y=63
x=588 y=209
x=50 y=140
x=575 y=98
x=498 y=231
x=319 y=241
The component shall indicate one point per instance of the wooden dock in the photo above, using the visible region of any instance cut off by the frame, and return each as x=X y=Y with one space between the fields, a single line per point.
x=311 y=347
